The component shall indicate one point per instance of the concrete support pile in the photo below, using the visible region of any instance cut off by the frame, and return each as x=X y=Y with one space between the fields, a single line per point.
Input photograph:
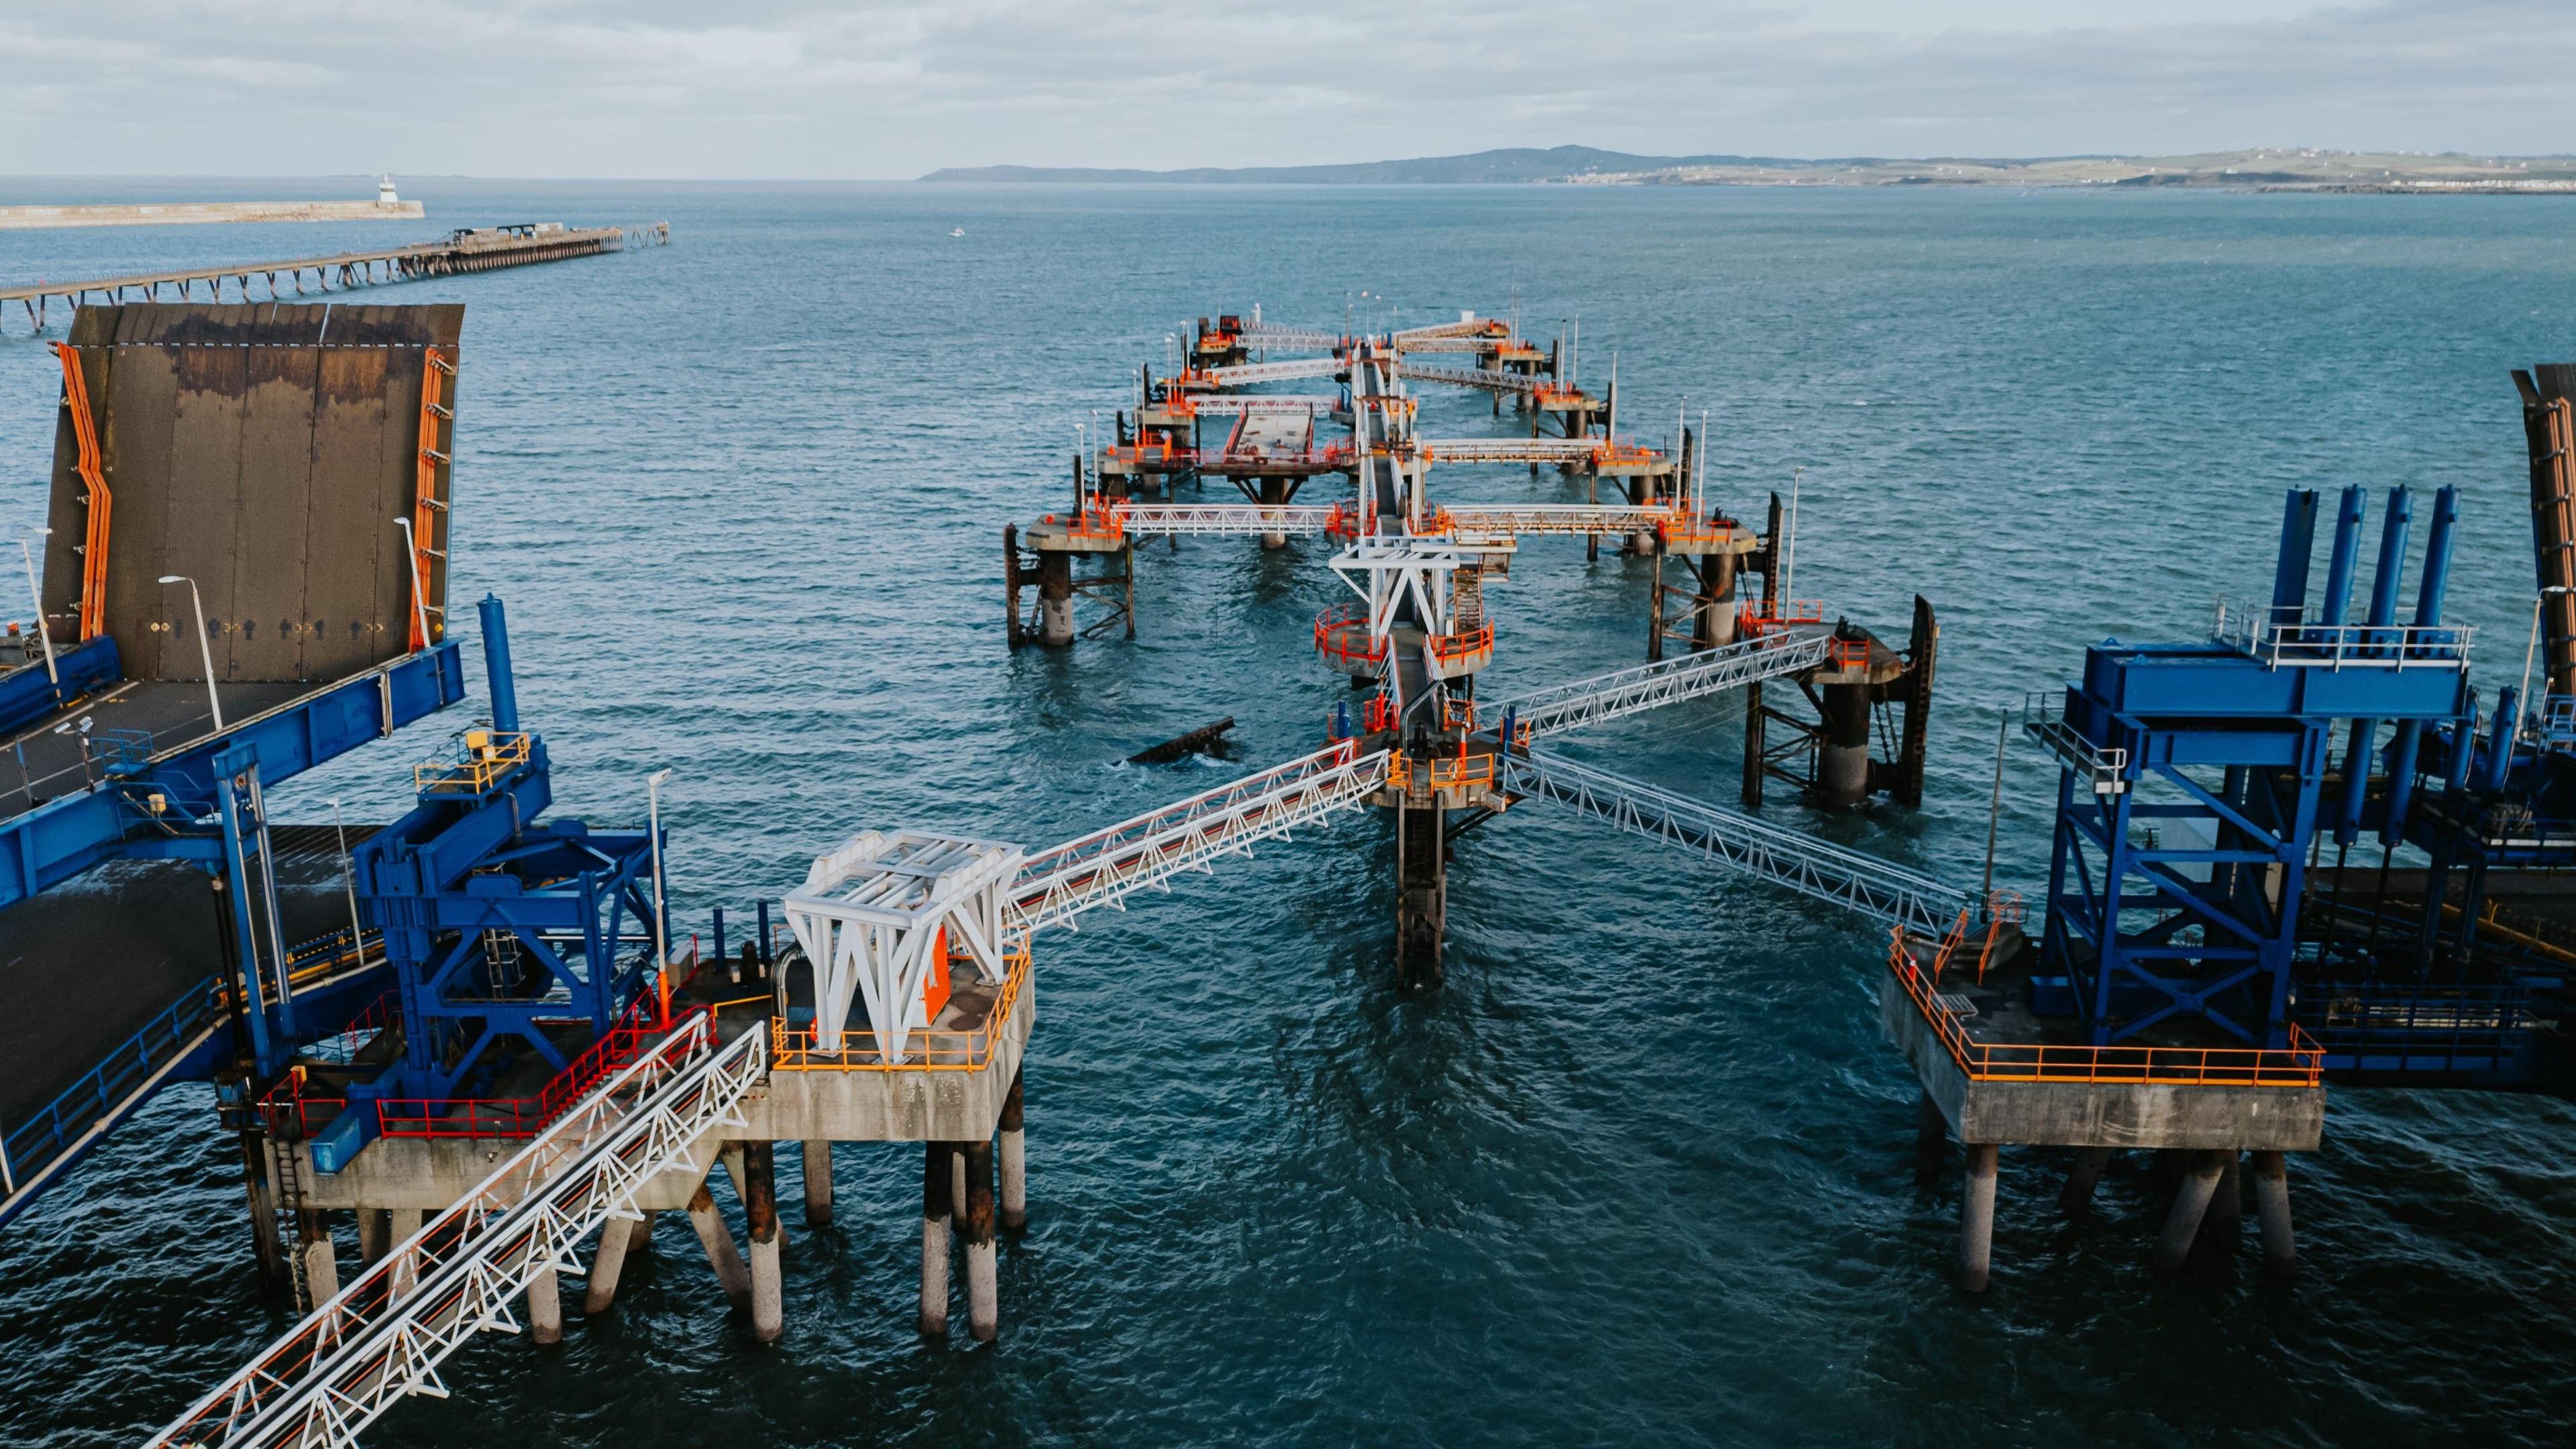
x=760 y=1210
x=936 y=1173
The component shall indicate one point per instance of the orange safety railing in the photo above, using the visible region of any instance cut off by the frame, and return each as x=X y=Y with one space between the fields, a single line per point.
x=792 y=1049
x=1750 y=619
x=1441 y=772
x=2300 y=1064
x=1682 y=528
x=1457 y=714
x=1336 y=628
x=1848 y=653
x=478 y=761
x=426 y=504
x=93 y=599
x=1454 y=649
x=1379 y=713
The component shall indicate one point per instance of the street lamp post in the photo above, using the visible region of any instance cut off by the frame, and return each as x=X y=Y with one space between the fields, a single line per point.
x=661 y=914
x=36 y=597
x=205 y=652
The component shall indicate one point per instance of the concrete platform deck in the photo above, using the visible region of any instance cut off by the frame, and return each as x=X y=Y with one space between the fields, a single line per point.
x=2176 y=1088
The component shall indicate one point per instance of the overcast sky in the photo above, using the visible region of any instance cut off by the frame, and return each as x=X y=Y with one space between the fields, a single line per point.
x=776 y=88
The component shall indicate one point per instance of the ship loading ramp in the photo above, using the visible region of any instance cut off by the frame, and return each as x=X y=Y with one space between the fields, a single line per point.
x=259 y=494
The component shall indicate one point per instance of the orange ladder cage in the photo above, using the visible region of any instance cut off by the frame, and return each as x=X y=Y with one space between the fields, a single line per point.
x=93 y=598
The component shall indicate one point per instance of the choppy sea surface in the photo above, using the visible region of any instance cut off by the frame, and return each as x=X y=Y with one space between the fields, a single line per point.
x=1641 y=1171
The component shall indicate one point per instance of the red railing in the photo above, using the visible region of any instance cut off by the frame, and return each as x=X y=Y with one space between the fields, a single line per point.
x=1451 y=650
x=633 y=1037
x=1750 y=620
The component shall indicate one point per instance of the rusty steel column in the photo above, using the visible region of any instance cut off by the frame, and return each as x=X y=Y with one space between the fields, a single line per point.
x=1274 y=492
x=1842 y=764
x=983 y=1272
x=1422 y=894
x=934 y=1238
x=1716 y=623
x=818 y=1183
x=760 y=1208
x=717 y=1239
x=1055 y=599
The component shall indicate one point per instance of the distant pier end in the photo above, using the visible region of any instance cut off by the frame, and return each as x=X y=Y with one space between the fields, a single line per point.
x=386 y=207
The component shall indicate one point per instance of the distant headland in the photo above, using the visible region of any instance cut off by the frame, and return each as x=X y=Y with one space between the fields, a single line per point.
x=2273 y=169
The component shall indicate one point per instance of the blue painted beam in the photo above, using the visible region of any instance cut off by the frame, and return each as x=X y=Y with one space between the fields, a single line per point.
x=59 y=839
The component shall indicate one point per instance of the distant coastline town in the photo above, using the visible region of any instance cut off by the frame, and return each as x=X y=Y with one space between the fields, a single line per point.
x=2260 y=169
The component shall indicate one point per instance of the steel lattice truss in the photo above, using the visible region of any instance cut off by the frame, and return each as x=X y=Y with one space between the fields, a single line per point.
x=1688 y=676
x=1270 y=402
x=353 y=1357
x=1879 y=889
x=1483 y=377
x=1507 y=520
x=1416 y=336
x=1511 y=450
x=1106 y=866
x=1288 y=337
x=1243 y=374
x=1197 y=519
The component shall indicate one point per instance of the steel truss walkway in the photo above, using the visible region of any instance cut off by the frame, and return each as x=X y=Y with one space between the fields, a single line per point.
x=1106 y=866
x=1669 y=681
x=1198 y=520
x=1245 y=374
x=1881 y=890
x=1479 y=377
x=384 y=1336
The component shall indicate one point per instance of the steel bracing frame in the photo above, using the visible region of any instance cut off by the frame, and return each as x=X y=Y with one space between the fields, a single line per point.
x=384 y=1336
x=1688 y=676
x=1296 y=338
x=1106 y=866
x=1511 y=450
x=1878 y=889
x=1235 y=404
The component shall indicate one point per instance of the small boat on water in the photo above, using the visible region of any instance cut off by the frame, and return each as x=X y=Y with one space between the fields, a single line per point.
x=961 y=231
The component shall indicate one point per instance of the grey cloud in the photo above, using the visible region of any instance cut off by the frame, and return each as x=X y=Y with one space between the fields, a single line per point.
x=760 y=88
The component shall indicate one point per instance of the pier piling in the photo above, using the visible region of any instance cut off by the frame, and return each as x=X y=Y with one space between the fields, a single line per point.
x=760 y=1209
x=717 y=1238
x=818 y=1184
x=1931 y=1138
x=935 y=1174
x=1015 y=1161
x=608 y=1263
x=2198 y=1184
x=545 y=1308
x=2083 y=1175
x=983 y=1284
x=2272 y=1209
x=1977 y=1216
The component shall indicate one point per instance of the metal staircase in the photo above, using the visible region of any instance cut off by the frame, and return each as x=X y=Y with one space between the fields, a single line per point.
x=384 y=1336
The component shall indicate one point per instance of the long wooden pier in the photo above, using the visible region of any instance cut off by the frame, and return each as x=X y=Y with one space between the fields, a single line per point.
x=479 y=249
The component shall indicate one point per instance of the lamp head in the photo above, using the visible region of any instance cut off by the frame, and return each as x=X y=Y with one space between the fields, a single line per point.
x=174 y=578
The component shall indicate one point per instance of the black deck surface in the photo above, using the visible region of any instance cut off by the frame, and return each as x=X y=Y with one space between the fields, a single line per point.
x=45 y=759
x=86 y=965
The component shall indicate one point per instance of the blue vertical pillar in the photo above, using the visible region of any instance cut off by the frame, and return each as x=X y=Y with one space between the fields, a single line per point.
x=496 y=666
x=2429 y=598
x=2298 y=544
x=2346 y=555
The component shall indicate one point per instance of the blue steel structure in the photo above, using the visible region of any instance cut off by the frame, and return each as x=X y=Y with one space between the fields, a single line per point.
x=203 y=801
x=2199 y=778
x=509 y=938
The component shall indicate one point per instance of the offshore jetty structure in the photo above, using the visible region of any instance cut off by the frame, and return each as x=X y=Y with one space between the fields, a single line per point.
x=467 y=249
x=504 y=1065
x=388 y=206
